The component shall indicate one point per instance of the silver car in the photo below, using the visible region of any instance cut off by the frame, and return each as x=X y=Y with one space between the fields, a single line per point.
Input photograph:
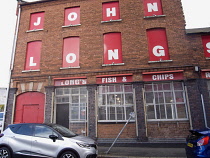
x=44 y=140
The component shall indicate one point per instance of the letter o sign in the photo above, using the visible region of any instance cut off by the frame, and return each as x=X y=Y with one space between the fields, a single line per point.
x=71 y=58
x=72 y=16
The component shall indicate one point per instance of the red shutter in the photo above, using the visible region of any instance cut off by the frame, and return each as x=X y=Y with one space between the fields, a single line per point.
x=158 y=45
x=152 y=7
x=72 y=16
x=33 y=55
x=112 y=48
x=206 y=45
x=37 y=21
x=111 y=11
x=71 y=52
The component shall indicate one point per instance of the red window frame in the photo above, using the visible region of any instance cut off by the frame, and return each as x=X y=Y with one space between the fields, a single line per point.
x=152 y=8
x=33 y=55
x=157 y=44
x=72 y=16
x=36 y=21
x=206 y=45
x=71 y=52
x=112 y=48
x=111 y=11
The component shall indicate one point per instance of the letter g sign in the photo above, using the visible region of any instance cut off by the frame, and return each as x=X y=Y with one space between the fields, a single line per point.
x=158 y=51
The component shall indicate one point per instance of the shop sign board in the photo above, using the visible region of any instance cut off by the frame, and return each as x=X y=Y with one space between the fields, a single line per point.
x=114 y=79
x=163 y=76
x=70 y=82
x=205 y=74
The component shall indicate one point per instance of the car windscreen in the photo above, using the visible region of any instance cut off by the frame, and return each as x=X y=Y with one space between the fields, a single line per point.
x=65 y=132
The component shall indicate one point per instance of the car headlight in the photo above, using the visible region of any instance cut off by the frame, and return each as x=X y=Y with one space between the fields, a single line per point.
x=83 y=145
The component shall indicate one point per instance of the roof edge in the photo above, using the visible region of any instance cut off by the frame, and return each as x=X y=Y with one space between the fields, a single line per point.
x=198 y=30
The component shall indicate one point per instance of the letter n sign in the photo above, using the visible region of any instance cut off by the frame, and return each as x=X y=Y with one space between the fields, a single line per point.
x=206 y=45
x=152 y=7
x=71 y=52
x=72 y=16
x=157 y=45
x=37 y=21
x=33 y=55
x=112 y=48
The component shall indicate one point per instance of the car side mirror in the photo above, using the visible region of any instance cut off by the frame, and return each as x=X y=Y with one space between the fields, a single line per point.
x=53 y=137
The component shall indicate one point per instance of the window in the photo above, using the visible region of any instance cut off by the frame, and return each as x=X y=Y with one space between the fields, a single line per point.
x=111 y=11
x=26 y=129
x=76 y=99
x=37 y=21
x=165 y=101
x=115 y=102
x=33 y=55
x=72 y=16
x=206 y=45
x=152 y=8
x=157 y=45
x=43 y=131
x=112 y=48
x=71 y=52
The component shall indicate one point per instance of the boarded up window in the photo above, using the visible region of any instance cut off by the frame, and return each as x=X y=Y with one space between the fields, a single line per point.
x=72 y=16
x=112 y=48
x=71 y=52
x=33 y=55
x=37 y=21
x=157 y=44
x=111 y=11
x=152 y=8
x=206 y=45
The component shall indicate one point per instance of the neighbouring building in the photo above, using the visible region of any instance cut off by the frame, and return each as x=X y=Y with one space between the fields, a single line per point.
x=3 y=100
x=87 y=64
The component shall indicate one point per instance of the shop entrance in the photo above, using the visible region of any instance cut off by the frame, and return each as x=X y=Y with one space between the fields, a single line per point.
x=71 y=108
x=29 y=108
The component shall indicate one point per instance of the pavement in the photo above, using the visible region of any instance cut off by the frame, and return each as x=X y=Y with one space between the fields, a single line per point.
x=160 y=150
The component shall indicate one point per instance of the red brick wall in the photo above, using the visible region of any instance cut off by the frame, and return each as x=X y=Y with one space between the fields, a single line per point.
x=112 y=130
x=134 y=41
x=168 y=129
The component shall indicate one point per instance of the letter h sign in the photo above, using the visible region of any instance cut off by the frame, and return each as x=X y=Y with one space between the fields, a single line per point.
x=111 y=11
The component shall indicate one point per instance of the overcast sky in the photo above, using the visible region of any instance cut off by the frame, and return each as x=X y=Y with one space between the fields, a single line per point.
x=196 y=15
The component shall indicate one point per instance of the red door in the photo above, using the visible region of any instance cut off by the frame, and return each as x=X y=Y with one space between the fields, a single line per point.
x=30 y=108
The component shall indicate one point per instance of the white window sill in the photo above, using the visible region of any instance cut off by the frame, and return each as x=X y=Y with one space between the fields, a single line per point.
x=114 y=64
x=35 y=30
x=30 y=71
x=71 y=25
x=111 y=21
x=154 y=16
x=160 y=61
x=63 y=68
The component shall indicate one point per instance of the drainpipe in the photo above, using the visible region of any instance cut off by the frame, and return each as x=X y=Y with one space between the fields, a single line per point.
x=12 y=56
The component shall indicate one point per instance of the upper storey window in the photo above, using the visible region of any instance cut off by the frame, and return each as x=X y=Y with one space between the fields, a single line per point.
x=112 y=49
x=152 y=8
x=158 y=45
x=111 y=11
x=37 y=21
x=33 y=56
x=206 y=45
x=71 y=52
x=72 y=16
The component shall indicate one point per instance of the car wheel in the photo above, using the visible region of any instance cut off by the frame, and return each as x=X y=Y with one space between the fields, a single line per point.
x=68 y=154
x=5 y=153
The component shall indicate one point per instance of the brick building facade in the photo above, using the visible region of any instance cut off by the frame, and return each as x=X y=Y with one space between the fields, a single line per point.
x=88 y=64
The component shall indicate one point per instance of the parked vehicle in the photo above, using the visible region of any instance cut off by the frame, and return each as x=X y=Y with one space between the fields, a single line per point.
x=198 y=144
x=44 y=140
